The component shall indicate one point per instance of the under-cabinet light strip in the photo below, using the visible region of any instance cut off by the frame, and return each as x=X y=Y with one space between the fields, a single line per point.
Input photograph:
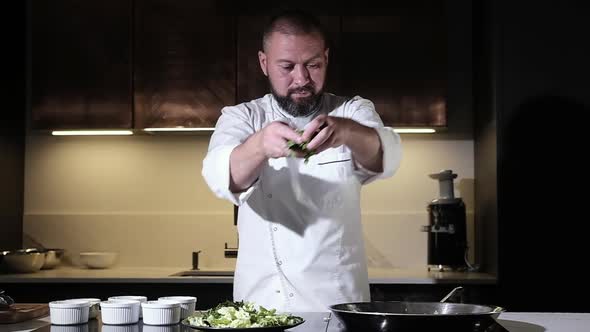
x=179 y=129
x=397 y=130
x=90 y=132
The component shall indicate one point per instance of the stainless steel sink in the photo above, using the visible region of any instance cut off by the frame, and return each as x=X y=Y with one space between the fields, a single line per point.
x=204 y=273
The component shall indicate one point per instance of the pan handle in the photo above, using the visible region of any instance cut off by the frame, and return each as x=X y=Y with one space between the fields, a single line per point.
x=455 y=292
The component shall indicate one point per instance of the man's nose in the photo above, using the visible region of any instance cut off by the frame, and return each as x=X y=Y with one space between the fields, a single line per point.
x=300 y=75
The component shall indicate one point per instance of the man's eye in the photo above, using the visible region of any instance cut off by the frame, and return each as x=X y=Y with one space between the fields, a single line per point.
x=313 y=65
x=287 y=67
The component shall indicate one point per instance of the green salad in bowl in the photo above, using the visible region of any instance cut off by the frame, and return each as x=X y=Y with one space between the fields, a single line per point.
x=241 y=315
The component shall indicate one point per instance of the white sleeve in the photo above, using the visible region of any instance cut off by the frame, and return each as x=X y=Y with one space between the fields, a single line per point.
x=363 y=111
x=232 y=129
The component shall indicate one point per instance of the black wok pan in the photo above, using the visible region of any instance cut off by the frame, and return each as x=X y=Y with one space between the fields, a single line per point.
x=416 y=316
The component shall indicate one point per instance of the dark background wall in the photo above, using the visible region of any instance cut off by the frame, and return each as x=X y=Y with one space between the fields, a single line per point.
x=532 y=102
x=12 y=126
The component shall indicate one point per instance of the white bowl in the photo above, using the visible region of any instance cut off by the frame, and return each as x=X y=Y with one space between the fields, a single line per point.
x=98 y=260
x=139 y=298
x=94 y=306
x=69 y=312
x=120 y=312
x=161 y=312
x=187 y=304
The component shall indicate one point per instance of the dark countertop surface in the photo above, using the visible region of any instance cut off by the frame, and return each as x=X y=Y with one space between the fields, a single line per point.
x=316 y=322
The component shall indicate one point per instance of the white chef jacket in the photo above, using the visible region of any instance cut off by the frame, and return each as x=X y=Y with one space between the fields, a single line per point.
x=299 y=225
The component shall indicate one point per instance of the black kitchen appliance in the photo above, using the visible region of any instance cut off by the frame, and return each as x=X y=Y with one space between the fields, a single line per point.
x=447 y=236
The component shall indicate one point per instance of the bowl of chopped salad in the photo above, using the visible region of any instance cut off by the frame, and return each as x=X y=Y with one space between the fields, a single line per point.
x=241 y=316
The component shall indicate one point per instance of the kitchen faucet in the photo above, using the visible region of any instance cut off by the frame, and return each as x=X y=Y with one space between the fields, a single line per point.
x=230 y=252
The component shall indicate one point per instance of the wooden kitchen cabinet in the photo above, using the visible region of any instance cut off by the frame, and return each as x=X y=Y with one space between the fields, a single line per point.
x=396 y=55
x=81 y=64
x=184 y=63
x=166 y=64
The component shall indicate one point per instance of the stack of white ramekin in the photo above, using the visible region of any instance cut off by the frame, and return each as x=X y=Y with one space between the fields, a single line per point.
x=139 y=298
x=120 y=312
x=161 y=312
x=187 y=304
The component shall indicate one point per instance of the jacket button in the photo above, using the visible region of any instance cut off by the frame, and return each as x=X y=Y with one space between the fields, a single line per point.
x=280 y=262
x=274 y=229
x=290 y=294
x=269 y=196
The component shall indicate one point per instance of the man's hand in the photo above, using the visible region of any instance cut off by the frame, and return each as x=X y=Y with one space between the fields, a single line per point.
x=273 y=139
x=327 y=132
x=331 y=132
x=247 y=159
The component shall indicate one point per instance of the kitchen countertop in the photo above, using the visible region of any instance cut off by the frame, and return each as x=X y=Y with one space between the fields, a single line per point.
x=510 y=321
x=164 y=275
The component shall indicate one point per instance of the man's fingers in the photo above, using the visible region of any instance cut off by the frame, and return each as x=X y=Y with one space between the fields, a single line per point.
x=320 y=138
x=315 y=126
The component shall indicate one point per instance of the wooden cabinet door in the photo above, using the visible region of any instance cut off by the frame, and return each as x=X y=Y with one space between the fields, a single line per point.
x=397 y=57
x=81 y=69
x=252 y=83
x=185 y=59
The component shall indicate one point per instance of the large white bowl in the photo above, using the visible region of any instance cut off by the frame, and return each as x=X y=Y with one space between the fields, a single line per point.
x=22 y=261
x=98 y=260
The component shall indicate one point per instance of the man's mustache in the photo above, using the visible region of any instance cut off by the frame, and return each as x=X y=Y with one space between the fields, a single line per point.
x=307 y=88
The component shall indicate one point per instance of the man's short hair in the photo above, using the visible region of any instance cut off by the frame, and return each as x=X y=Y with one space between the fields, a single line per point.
x=293 y=22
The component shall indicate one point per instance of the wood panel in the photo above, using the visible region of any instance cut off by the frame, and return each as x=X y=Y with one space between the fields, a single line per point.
x=397 y=57
x=184 y=62
x=81 y=65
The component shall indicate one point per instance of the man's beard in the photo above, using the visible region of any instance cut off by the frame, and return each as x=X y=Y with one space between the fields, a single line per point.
x=301 y=108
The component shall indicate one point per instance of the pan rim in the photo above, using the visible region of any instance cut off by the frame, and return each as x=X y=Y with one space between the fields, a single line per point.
x=494 y=310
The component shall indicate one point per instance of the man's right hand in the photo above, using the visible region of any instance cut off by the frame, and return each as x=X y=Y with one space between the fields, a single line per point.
x=273 y=140
x=246 y=160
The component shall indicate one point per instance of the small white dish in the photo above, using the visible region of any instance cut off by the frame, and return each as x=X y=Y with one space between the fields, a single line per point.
x=98 y=260
x=120 y=312
x=94 y=306
x=187 y=304
x=139 y=298
x=161 y=312
x=69 y=312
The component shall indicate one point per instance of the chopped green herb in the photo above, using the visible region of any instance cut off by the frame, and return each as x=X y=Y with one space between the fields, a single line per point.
x=301 y=147
x=241 y=315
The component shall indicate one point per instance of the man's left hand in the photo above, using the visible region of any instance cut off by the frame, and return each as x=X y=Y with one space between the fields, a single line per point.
x=325 y=132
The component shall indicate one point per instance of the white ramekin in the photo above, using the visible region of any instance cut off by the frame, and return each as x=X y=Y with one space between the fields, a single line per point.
x=161 y=312
x=94 y=306
x=119 y=312
x=69 y=312
x=139 y=298
x=187 y=304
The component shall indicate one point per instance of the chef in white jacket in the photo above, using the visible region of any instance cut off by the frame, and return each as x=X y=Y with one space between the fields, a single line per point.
x=299 y=221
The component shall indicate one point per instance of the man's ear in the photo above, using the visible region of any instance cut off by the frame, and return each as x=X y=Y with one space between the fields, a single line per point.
x=262 y=61
x=326 y=53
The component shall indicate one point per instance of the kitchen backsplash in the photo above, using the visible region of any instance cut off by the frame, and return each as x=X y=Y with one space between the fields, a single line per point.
x=144 y=197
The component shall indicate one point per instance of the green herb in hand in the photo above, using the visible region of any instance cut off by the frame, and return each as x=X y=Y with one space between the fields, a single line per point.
x=300 y=147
